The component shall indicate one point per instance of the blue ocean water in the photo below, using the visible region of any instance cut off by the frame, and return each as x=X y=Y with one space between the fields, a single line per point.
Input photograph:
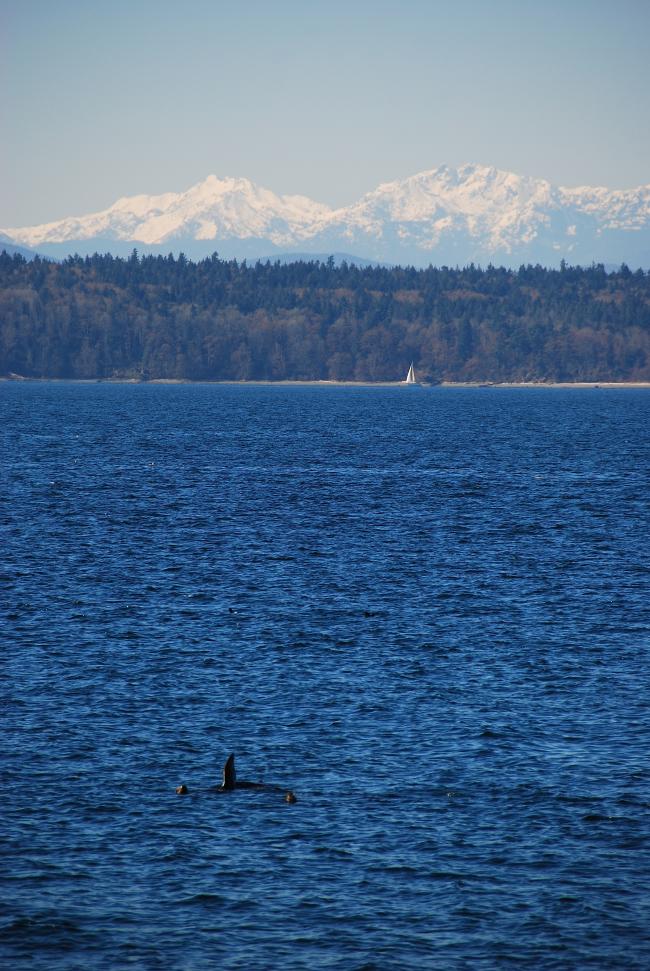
x=426 y=611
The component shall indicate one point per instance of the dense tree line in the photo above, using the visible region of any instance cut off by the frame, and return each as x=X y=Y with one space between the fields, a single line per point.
x=166 y=317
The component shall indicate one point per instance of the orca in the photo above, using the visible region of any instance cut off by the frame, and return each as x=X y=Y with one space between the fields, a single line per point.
x=229 y=783
x=229 y=775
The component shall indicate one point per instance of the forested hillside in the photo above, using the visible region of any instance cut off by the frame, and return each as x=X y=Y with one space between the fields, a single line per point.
x=161 y=317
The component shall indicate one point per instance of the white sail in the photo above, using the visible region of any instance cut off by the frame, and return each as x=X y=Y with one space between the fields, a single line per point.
x=410 y=377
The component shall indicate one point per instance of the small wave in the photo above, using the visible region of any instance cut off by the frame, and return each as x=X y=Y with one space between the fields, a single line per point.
x=204 y=899
x=109 y=808
x=43 y=931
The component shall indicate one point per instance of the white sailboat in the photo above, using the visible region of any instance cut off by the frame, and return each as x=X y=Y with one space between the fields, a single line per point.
x=410 y=377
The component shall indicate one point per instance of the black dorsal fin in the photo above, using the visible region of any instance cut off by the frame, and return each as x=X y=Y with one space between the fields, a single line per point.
x=229 y=774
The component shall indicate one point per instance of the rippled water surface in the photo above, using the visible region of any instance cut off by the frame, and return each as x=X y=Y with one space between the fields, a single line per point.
x=426 y=611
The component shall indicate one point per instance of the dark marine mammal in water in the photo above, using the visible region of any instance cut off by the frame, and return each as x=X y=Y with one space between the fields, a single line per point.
x=229 y=783
x=229 y=779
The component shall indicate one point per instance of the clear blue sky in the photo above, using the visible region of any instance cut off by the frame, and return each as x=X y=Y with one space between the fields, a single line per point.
x=327 y=99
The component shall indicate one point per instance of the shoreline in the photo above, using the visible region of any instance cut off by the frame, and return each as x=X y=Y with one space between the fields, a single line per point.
x=548 y=385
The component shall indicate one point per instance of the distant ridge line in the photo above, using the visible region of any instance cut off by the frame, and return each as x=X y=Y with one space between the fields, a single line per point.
x=441 y=216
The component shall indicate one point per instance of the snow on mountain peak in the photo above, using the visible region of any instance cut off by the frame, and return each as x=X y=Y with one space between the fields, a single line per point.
x=213 y=208
x=475 y=211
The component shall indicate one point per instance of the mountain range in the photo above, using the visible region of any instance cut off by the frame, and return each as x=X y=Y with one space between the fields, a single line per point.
x=446 y=215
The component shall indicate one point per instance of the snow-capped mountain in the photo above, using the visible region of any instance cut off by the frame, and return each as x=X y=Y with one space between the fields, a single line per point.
x=213 y=209
x=445 y=215
x=481 y=214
